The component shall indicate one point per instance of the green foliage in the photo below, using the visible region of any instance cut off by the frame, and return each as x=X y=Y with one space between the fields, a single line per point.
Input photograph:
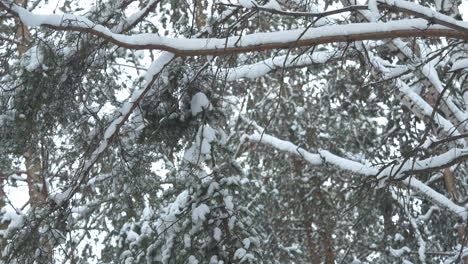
x=175 y=185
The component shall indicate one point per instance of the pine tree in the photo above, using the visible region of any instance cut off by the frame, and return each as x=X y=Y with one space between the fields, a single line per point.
x=233 y=132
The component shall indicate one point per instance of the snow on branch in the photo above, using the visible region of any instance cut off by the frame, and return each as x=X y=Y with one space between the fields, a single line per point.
x=460 y=64
x=409 y=166
x=112 y=130
x=397 y=170
x=436 y=197
x=430 y=73
x=420 y=106
x=425 y=12
x=262 y=68
x=417 y=232
x=417 y=166
x=321 y=158
x=427 y=110
x=239 y=44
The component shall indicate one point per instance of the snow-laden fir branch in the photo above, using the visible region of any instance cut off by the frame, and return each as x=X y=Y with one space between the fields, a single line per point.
x=430 y=73
x=427 y=110
x=427 y=71
x=436 y=197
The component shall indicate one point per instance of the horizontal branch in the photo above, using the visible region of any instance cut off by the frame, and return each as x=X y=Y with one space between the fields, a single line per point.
x=240 y=44
x=262 y=68
x=321 y=158
x=409 y=166
x=397 y=170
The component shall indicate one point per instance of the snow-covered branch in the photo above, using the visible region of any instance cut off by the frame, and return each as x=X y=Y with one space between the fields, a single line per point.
x=427 y=13
x=427 y=110
x=322 y=157
x=436 y=197
x=410 y=166
x=239 y=44
x=264 y=67
x=113 y=129
x=418 y=105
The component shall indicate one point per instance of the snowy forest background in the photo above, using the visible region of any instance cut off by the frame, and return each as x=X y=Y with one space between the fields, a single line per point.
x=266 y=131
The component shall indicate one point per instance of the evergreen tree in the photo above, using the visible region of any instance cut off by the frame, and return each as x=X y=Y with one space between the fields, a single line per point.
x=272 y=131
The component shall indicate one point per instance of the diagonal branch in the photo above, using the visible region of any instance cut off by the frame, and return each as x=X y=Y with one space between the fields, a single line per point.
x=113 y=129
x=426 y=13
x=137 y=17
